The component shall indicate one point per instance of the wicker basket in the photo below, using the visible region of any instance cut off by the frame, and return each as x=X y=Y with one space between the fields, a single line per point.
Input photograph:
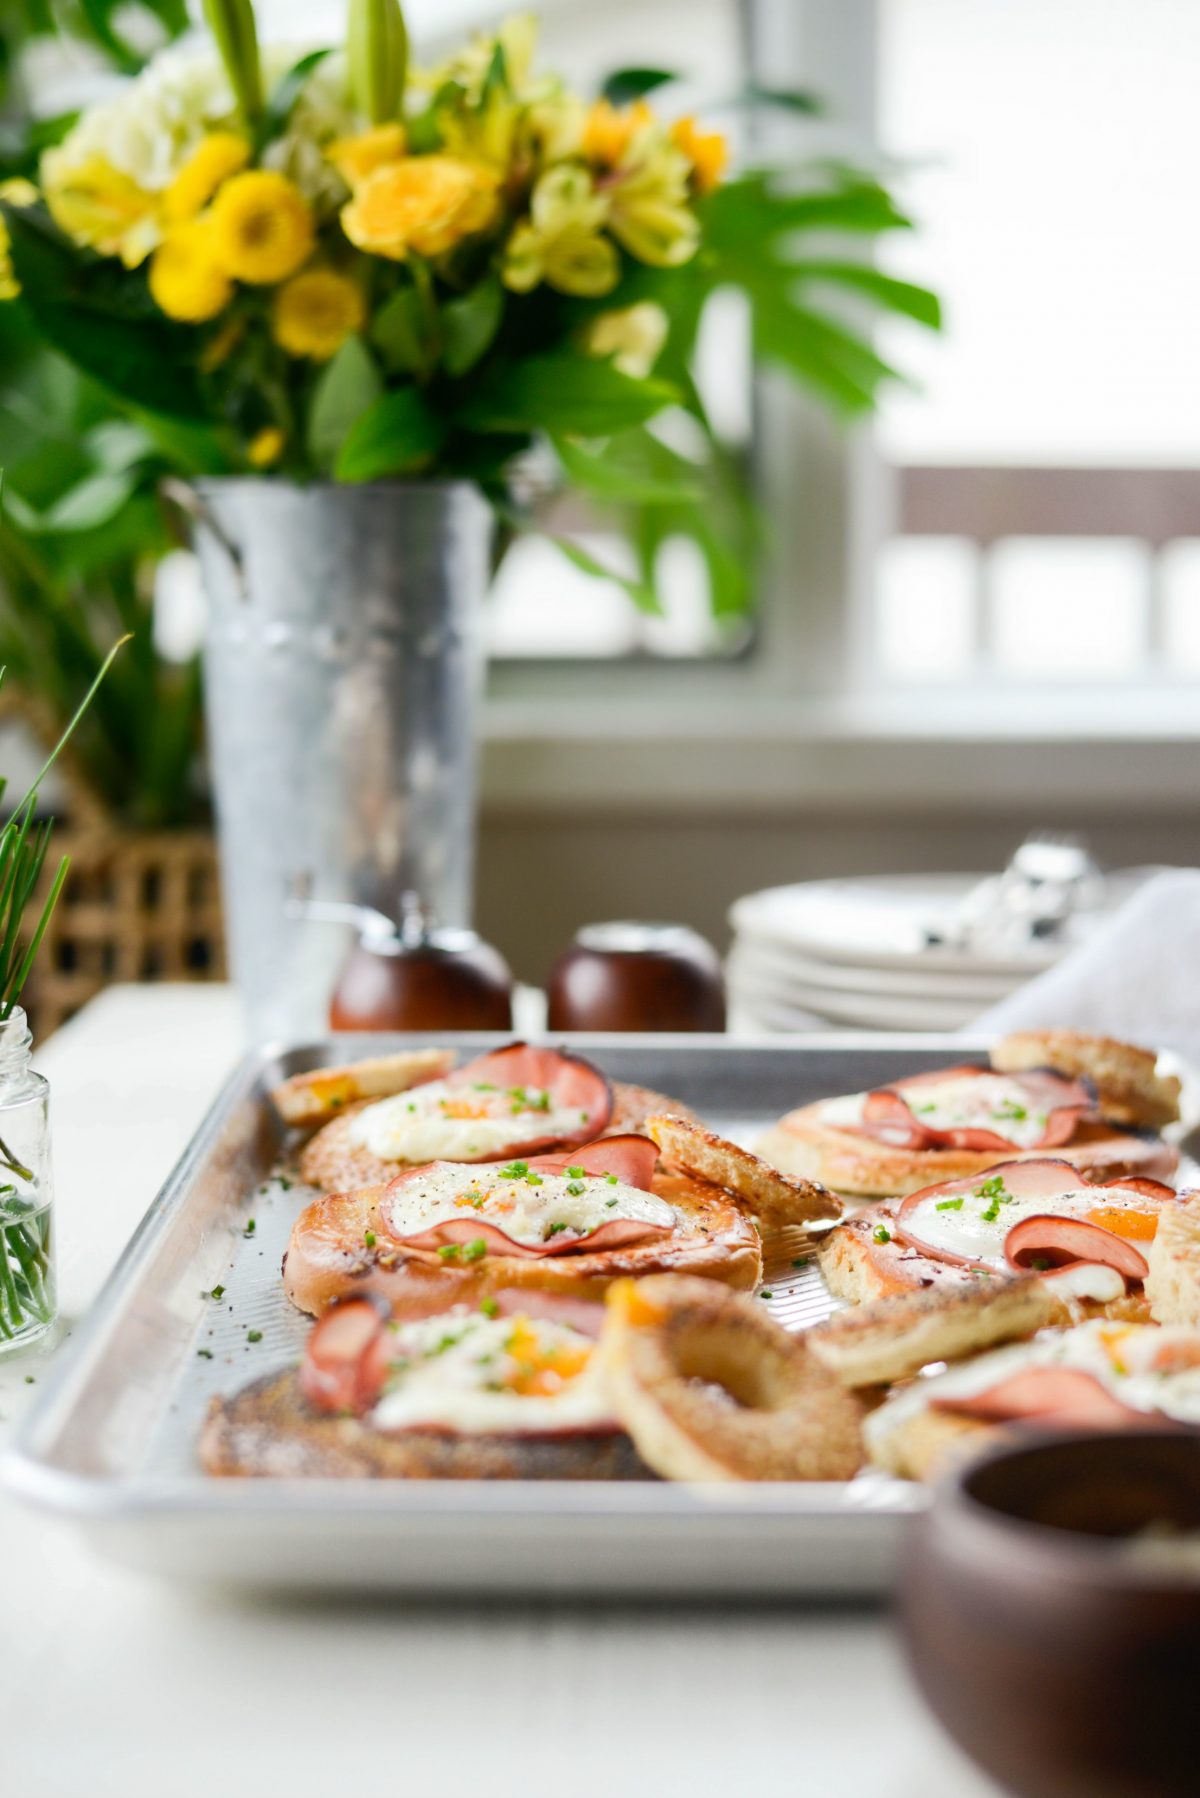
x=137 y=905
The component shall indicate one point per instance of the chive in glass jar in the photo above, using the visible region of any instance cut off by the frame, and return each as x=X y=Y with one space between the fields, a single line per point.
x=28 y=1304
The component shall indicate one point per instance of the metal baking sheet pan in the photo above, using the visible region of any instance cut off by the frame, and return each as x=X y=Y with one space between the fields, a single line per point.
x=111 y=1444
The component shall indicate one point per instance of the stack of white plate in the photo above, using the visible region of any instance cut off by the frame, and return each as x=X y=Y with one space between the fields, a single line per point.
x=871 y=954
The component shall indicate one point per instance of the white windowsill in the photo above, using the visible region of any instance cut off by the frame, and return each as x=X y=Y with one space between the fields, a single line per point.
x=950 y=753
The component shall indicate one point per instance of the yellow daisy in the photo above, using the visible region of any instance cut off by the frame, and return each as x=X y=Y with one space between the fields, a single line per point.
x=186 y=280
x=263 y=227
x=215 y=158
x=315 y=312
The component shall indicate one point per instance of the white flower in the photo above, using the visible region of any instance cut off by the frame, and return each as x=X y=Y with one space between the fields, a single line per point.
x=148 y=130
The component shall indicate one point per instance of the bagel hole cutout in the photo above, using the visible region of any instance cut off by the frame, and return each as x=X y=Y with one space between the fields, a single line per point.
x=717 y=1363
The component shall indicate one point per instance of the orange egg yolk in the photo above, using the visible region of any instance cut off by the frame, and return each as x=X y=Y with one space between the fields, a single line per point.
x=1139 y=1226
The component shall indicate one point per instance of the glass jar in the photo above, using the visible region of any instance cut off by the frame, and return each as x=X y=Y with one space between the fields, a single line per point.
x=28 y=1304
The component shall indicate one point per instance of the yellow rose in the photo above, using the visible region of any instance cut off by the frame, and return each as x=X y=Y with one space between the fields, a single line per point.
x=707 y=151
x=423 y=203
x=355 y=158
x=186 y=280
x=633 y=336
x=215 y=158
x=97 y=205
x=315 y=312
x=263 y=227
x=266 y=447
x=561 y=242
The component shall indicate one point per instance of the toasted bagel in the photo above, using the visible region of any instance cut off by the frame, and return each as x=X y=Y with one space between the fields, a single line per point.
x=778 y=1199
x=863 y=1262
x=333 y=1162
x=1129 y=1088
x=269 y=1430
x=329 y=1256
x=711 y=1388
x=807 y=1145
x=892 y=1338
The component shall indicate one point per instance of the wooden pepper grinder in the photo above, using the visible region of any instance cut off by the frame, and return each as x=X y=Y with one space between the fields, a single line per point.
x=419 y=977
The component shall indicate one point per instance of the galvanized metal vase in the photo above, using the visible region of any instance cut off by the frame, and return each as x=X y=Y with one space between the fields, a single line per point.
x=342 y=670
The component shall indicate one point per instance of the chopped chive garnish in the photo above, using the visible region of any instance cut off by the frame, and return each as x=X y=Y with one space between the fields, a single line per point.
x=218 y=1292
x=253 y=1335
x=250 y=1227
x=369 y=1238
x=450 y=1251
x=575 y=1187
x=766 y=1293
x=949 y=1205
x=881 y=1234
x=205 y=1354
x=576 y=1173
x=489 y=1307
x=475 y=1251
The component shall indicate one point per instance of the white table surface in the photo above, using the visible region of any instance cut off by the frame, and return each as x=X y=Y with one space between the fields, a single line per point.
x=113 y=1684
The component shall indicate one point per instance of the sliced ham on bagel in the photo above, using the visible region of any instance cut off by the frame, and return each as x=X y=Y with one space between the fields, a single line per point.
x=486 y=1393
x=976 y=1108
x=566 y=1223
x=1022 y=1214
x=1098 y=1375
x=520 y=1100
x=956 y=1121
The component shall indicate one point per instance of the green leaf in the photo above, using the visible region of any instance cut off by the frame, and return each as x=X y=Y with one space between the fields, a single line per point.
x=563 y=392
x=88 y=505
x=400 y=332
x=624 y=85
x=284 y=95
x=897 y=296
x=826 y=355
x=348 y=386
x=398 y=435
x=470 y=324
x=634 y=467
x=101 y=317
x=643 y=595
x=786 y=99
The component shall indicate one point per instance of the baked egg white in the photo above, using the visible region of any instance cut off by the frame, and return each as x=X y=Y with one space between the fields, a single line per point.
x=469 y=1372
x=444 y=1121
x=973 y=1223
x=531 y=1206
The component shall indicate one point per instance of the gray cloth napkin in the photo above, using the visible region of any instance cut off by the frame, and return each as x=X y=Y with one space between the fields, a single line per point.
x=1137 y=977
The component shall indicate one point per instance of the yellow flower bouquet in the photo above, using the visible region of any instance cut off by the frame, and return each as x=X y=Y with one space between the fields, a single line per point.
x=347 y=267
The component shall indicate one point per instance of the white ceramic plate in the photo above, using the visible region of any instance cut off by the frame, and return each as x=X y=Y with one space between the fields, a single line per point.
x=790 y=968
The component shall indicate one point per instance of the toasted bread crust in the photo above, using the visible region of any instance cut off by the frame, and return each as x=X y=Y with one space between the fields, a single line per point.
x=314 y=1097
x=1128 y=1085
x=1173 y=1283
x=892 y=1338
x=268 y=1430
x=777 y=1198
x=334 y=1162
x=804 y=1145
x=328 y=1256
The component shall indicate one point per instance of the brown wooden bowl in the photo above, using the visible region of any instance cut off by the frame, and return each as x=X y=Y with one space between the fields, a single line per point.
x=450 y=980
x=1059 y=1647
x=633 y=976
